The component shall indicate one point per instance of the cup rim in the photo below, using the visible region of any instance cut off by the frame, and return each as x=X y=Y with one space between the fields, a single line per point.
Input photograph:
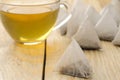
x=50 y=3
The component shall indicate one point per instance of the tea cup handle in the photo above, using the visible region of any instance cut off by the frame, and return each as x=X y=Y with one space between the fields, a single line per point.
x=66 y=19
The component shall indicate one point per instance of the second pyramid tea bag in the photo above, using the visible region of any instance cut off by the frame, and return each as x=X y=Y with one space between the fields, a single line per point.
x=116 y=40
x=113 y=12
x=116 y=4
x=78 y=10
x=86 y=35
x=92 y=14
x=74 y=62
x=106 y=27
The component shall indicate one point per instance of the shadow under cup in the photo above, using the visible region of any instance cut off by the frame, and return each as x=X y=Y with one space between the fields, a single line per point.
x=29 y=23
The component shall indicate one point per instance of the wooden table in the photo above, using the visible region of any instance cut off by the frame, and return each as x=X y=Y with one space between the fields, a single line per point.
x=18 y=62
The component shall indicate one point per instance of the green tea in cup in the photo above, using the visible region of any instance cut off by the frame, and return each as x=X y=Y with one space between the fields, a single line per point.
x=26 y=26
x=30 y=21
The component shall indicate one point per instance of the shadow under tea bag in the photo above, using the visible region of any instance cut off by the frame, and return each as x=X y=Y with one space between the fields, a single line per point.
x=86 y=36
x=106 y=27
x=116 y=40
x=92 y=14
x=74 y=62
x=78 y=10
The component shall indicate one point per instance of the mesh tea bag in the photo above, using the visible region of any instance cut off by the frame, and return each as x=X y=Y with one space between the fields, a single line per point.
x=74 y=62
x=106 y=27
x=86 y=36
x=77 y=16
x=116 y=40
x=93 y=15
x=108 y=7
x=116 y=3
x=113 y=11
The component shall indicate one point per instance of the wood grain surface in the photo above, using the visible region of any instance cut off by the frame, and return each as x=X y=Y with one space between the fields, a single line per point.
x=18 y=62
x=105 y=62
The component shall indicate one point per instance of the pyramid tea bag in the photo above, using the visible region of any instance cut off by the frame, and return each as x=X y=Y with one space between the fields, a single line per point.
x=77 y=16
x=106 y=27
x=86 y=36
x=92 y=14
x=116 y=40
x=104 y=9
x=108 y=7
x=116 y=3
x=74 y=62
x=113 y=12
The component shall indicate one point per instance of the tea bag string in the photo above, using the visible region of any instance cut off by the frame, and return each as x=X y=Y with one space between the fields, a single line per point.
x=44 y=61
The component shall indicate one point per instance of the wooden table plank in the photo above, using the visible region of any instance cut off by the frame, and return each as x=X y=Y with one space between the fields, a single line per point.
x=18 y=62
x=105 y=63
